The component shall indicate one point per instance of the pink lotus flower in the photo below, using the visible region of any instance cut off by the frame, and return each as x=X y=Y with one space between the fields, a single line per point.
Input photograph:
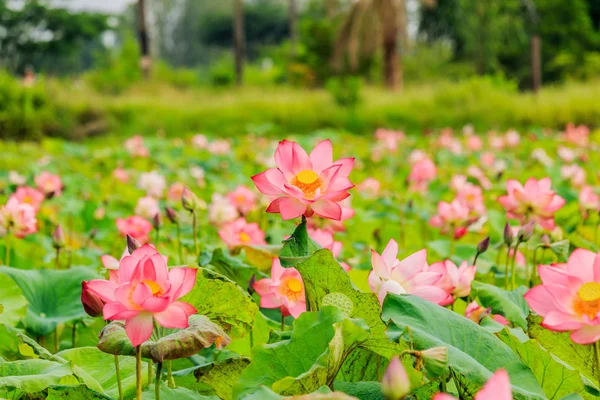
x=512 y=138
x=220 y=210
x=454 y=280
x=588 y=199
x=219 y=147
x=475 y=313
x=16 y=179
x=389 y=138
x=578 y=135
x=121 y=175
x=243 y=199
x=325 y=239
x=488 y=159
x=452 y=218
x=574 y=173
x=153 y=183
x=474 y=142
x=496 y=388
x=175 y=191
x=421 y=173
x=476 y=172
x=17 y=219
x=29 y=195
x=534 y=201
x=370 y=187
x=147 y=207
x=200 y=141
x=135 y=146
x=240 y=232
x=471 y=196
x=333 y=225
x=49 y=184
x=145 y=290
x=136 y=227
x=306 y=184
x=410 y=275
x=284 y=290
x=569 y=298
x=566 y=154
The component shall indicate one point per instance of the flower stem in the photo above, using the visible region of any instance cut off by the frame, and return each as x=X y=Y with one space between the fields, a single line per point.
x=170 y=380
x=179 y=244
x=156 y=237
x=74 y=333
x=7 y=245
x=149 y=372
x=195 y=228
x=597 y=355
x=56 y=263
x=512 y=267
x=157 y=382
x=138 y=372
x=118 y=372
x=506 y=267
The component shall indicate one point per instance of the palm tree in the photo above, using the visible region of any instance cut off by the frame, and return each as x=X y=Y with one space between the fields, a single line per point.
x=370 y=25
x=238 y=40
x=143 y=37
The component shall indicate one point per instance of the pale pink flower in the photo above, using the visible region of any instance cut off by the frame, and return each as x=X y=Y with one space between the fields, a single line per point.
x=474 y=142
x=588 y=199
x=243 y=198
x=200 y=141
x=487 y=159
x=324 y=238
x=147 y=207
x=239 y=232
x=144 y=291
x=416 y=155
x=477 y=173
x=121 y=174
x=16 y=179
x=198 y=174
x=410 y=275
x=389 y=138
x=29 y=195
x=17 y=219
x=49 y=184
x=496 y=142
x=421 y=173
x=135 y=146
x=454 y=280
x=574 y=173
x=369 y=186
x=458 y=182
x=578 y=135
x=306 y=185
x=175 y=191
x=496 y=388
x=333 y=225
x=153 y=183
x=219 y=147
x=452 y=218
x=220 y=210
x=512 y=138
x=475 y=312
x=284 y=290
x=134 y=226
x=569 y=298
x=566 y=154
x=472 y=197
x=534 y=201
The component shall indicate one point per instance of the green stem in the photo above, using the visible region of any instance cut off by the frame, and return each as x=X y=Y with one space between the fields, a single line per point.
x=7 y=243
x=533 y=267
x=195 y=228
x=170 y=380
x=179 y=244
x=156 y=237
x=56 y=263
x=251 y=338
x=498 y=254
x=475 y=259
x=56 y=345
x=74 y=333
x=138 y=372
x=506 y=267
x=452 y=245
x=157 y=382
x=512 y=267
x=149 y=372
x=597 y=355
x=118 y=372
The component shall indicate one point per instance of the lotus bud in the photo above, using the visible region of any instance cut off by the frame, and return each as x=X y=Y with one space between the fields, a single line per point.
x=92 y=303
x=525 y=232
x=93 y=233
x=396 y=383
x=483 y=245
x=508 y=234
x=556 y=234
x=435 y=360
x=157 y=221
x=132 y=244
x=189 y=200
x=546 y=240
x=560 y=248
x=172 y=215
x=58 y=238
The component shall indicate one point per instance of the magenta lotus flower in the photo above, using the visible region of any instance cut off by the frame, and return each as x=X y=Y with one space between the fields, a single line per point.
x=241 y=232
x=452 y=218
x=569 y=296
x=145 y=290
x=243 y=199
x=134 y=226
x=29 y=195
x=17 y=219
x=534 y=201
x=306 y=184
x=284 y=290
x=496 y=388
x=410 y=275
x=454 y=280
x=49 y=184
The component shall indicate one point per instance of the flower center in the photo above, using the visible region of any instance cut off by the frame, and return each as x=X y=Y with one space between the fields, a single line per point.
x=292 y=289
x=154 y=287
x=244 y=237
x=588 y=302
x=308 y=181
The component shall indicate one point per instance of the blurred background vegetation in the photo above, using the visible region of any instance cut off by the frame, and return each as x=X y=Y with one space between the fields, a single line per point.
x=269 y=66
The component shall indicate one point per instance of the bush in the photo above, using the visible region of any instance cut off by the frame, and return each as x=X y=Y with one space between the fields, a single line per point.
x=345 y=90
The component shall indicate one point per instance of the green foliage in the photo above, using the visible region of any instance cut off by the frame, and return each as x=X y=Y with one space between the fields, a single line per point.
x=345 y=90
x=510 y=304
x=32 y=376
x=299 y=247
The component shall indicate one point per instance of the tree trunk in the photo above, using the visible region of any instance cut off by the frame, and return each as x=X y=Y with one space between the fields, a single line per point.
x=293 y=16
x=536 y=63
x=392 y=70
x=145 y=60
x=238 y=40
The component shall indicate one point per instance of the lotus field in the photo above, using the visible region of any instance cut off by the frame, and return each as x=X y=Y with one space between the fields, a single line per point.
x=455 y=264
